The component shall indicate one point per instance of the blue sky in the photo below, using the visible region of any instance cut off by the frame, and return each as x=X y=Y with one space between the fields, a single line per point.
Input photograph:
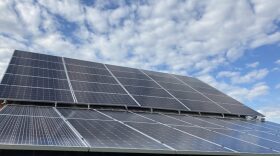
x=230 y=44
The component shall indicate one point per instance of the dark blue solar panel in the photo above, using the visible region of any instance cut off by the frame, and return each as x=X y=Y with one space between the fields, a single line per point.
x=84 y=63
x=122 y=69
x=28 y=81
x=104 y=99
x=29 y=71
x=112 y=134
x=36 y=63
x=138 y=82
x=37 y=94
x=230 y=142
x=42 y=57
x=91 y=78
x=147 y=91
x=159 y=102
x=176 y=139
x=88 y=70
x=96 y=87
x=36 y=131
x=130 y=75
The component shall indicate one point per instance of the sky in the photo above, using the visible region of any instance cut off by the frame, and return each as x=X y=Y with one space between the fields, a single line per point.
x=234 y=45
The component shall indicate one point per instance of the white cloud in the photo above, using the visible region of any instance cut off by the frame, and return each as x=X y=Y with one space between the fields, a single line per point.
x=277 y=62
x=271 y=113
x=253 y=65
x=249 y=77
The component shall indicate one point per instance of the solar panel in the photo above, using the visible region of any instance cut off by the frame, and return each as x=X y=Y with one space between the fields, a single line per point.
x=112 y=134
x=97 y=87
x=87 y=70
x=91 y=78
x=36 y=56
x=39 y=82
x=176 y=139
x=37 y=72
x=36 y=131
x=29 y=111
x=36 y=63
x=40 y=77
x=126 y=116
x=82 y=114
x=83 y=63
x=236 y=144
x=104 y=99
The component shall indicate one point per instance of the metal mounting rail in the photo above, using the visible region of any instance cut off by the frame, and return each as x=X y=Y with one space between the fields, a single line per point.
x=69 y=82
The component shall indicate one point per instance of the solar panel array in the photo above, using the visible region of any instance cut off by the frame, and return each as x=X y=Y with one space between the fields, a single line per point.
x=50 y=128
x=40 y=77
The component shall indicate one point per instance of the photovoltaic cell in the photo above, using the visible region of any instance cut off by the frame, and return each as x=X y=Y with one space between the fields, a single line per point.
x=104 y=99
x=138 y=82
x=165 y=79
x=159 y=102
x=29 y=111
x=84 y=63
x=30 y=71
x=28 y=81
x=240 y=109
x=122 y=69
x=126 y=116
x=88 y=70
x=42 y=57
x=222 y=99
x=176 y=87
x=25 y=130
x=130 y=75
x=225 y=141
x=38 y=94
x=195 y=121
x=203 y=106
x=249 y=138
x=188 y=95
x=82 y=114
x=147 y=91
x=111 y=134
x=176 y=139
x=163 y=119
x=36 y=63
x=96 y=87
x=91 y=78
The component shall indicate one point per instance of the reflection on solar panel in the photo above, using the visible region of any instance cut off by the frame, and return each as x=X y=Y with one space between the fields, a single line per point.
x=96 y=107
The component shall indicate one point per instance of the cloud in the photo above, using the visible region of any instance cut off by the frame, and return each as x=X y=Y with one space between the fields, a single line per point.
x=277 y=62
x=253 y=65
x=271 y=113
x=277 y=86
x=237 y=78
x=195 y=38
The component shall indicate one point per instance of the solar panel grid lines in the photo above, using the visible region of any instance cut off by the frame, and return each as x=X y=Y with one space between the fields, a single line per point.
x=28 y=110
x=84 y=63
x=36 y=131
x=166 y=91
x=165 y=145
x=202 y=94
x=122 y=86
x=36 y=63
x=69 y=82
x=40 y=56
x=72 y=128
x=192 y=136
x=213 y=129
